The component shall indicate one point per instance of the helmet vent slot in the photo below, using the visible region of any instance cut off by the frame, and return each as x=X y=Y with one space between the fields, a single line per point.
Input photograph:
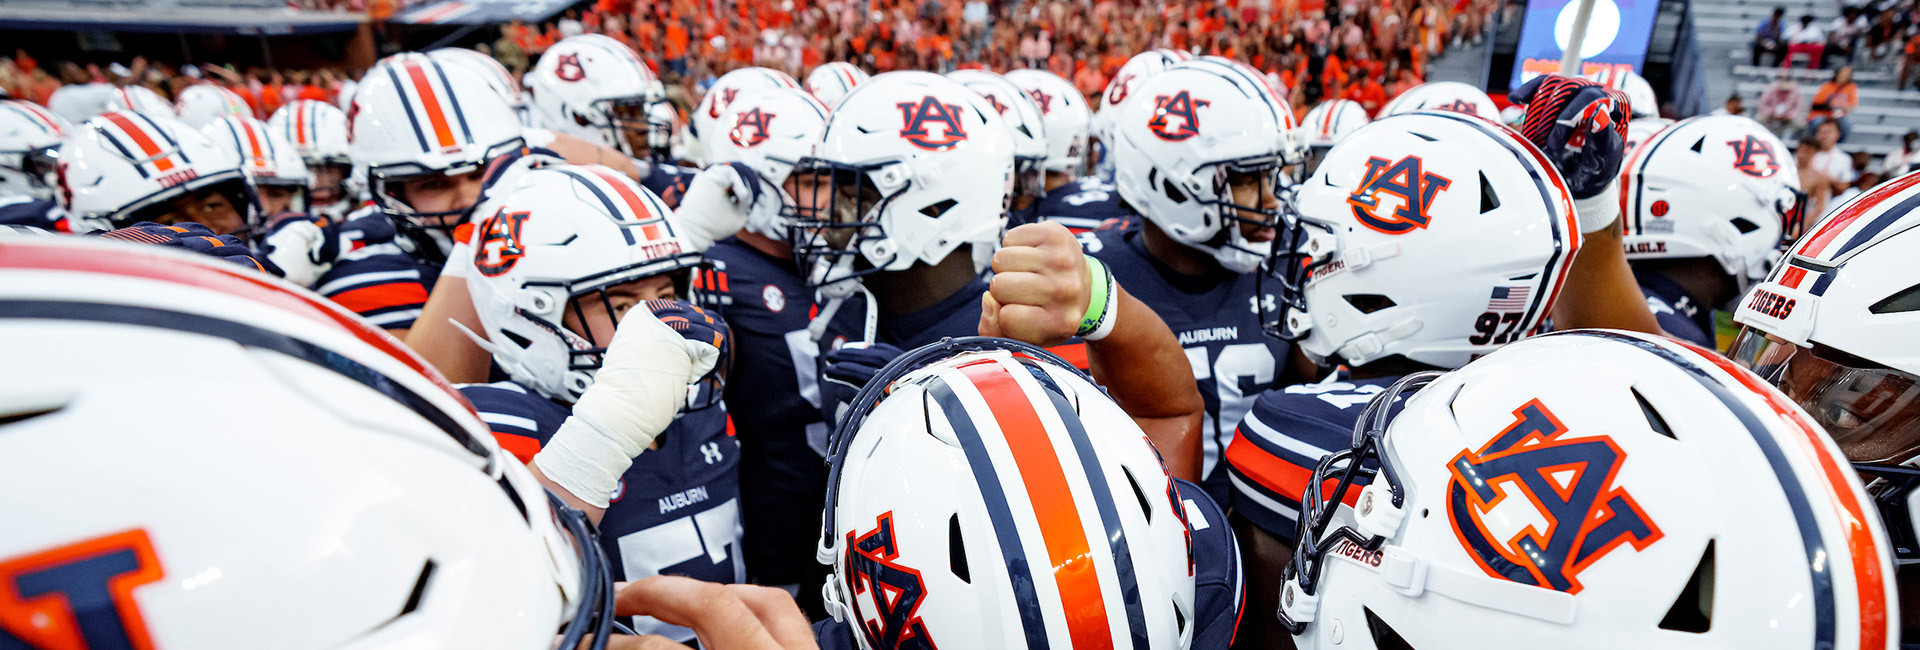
x=1368 y=303
x=957 y=550
x=514 y=496
x=1697 y=144
x=1423 y=136
x=1693 y=610
x=1173 y=193
x=1905 y=300
x=22 y=416
x=519 y=340
x=1744 y=226
x=1654 y=421
x=1384 y=638
x=1146 y=507
x=934 y=211
x=419 y=592
x=1489 y=201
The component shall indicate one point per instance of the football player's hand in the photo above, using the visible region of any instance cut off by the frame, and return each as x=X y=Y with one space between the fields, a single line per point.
x=639 y=389
x=1041 y=286
x=580 y=152
x=1582 y=128
x=189 y=236
x=300 y=248
x=706 y=338
x=715 y=205
x=844 y=371
x=724 y=617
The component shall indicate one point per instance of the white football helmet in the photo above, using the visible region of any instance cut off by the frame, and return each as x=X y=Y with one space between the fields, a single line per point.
x=267 y=160
x=1326 y=125
x=955 y=480
x=726 y=89
x=30 y=139
x=1590 y=489
x=496 y=76
x=1639 y=93
x=118 y=168
x=1063 y=111
x=318 y=132
x=1022 y=116
x=1136 y=71
x=1718 y=186
x=1639 y=131
x=832 y=81
x=241 y=446
x=1177 y=150
x=201 y=104
x=772 y=131
x=1444 y=96
x=142 y=100
x=914 y=166
x=415 y=116
x=597 y=89
x=1402 y=199
x=556 y=236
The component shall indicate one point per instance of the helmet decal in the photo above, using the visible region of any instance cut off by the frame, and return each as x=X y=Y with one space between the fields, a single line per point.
x=998 y=106
x=897 y=591
x=1042 y=99
x=1404 y=179
x=102 y=570
x=751 y=129
x=1755 y=157
x=569 y=68
x=1179 y=105
x=915 y=117
x=1117 y=92
x=1459 y=106
x=720 y=103
x=500 y=246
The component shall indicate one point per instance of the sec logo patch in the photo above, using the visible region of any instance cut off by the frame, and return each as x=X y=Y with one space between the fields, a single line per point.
x=775 y=300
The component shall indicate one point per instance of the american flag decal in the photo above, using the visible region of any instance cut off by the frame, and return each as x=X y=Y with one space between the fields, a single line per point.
x=1509 y=298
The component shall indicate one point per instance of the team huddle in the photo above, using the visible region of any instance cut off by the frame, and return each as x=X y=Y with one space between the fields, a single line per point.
x=958 y=361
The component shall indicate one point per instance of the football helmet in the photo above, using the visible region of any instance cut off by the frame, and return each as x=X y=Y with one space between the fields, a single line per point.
x=597 y=89
x=832 y=81
x=1326 y=125
x=1639 y=93
x=771 y=131
x=201 y=104
x=244 y=446
x=267 y=160
x=118 y=169
x=318 y=132
x=1136 y=71
x=554 y=237
x=957 y=477
x=1022 y=116
x=1718 y=186
x=140 y=99
x=1589 y=489
x=729 y=87
x=1178 y=149
x=414 y=116
x=496 y=76
x=30 y=139
x=1444 y=96
x=914 y=166
x=1399 y=199
x=1064 y=116
x=1639 y=131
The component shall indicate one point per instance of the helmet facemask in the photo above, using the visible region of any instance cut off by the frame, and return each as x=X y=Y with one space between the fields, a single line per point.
x=831 y=238
x=1230 y=245
x=331 y=193
x=630 y=126
x=37 y=169
x=435 y=226
x=237 y=191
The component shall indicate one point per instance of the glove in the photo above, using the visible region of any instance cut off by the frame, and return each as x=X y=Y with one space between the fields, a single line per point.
x=1582 y=127
x=189 y=236
x=300 y=248
x=843 y=372
x=707 y=340
x=716 y=202
x=640 y=387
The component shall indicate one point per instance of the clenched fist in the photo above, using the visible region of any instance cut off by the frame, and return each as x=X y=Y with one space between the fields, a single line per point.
x=1041 y=286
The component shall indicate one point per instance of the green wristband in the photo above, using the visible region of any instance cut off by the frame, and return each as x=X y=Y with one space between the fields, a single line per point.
x=1099 y=306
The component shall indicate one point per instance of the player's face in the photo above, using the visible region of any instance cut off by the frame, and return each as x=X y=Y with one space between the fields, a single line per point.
x=630 y=123
x=275 y=199
x=1254 y=189
x=442 y=193
x=594 y=319
x=329 y=184
x=206 y=207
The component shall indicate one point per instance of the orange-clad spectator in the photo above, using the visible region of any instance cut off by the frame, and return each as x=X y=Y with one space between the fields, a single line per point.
x=810 y=57
x=1089 y=81
x=1367 y=91
x=677 y=41
x=25 y=64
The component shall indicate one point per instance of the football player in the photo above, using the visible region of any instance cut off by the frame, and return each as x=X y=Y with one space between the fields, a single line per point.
x=142 y=100
x=1444 y=96
x=1126 y=80
x=1199 y=159
x=122 y=168
x=1021 y=115
x=30 y=138
x=1326 y=125
x=1708 y=202
x=986 y=494
x=831 y=82
x=271 y=165
x=1547 y=495
x=318 y=132
x=705 y=126
x=202 y=103
x=1081 y=203
x=597 y=89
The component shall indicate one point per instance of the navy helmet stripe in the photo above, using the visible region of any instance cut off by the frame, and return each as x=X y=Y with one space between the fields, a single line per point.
x=106 y=134
x=612 y=208
x=453 y=100
x=1536 y=304
x=1110 y=516
x=1032 y=621
x=401 y=88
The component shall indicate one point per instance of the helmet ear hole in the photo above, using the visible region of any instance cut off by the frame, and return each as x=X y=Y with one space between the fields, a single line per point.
x=1384 y=636
x=1368 y=303
x=1693 y=610
x=1744 y=226
x=957 y=551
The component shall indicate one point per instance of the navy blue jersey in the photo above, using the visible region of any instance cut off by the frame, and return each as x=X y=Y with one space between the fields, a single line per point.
x=676 y=510
x=33 y=213
x=1677 y=312
x=378 y=275
x=1217 y=590
x=1282 y=440
x=668 y=181
x=1082 y=204
x=1217 y=319
x=954 y=316
x=773 y=394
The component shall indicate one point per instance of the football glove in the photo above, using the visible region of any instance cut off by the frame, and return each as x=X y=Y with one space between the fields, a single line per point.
x=1582 y=128
x=715 y=205
x=190 y=236
x=707 y=340
x=843 y=372
x=300 y=248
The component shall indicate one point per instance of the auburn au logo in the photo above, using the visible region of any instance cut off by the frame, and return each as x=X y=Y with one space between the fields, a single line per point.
x=751 y=129
x=1459 y=106
x=931 y=125
x=998 y=106
x=1119 y=90
x=894 y=591
x=500 y=247
x=569 y=68
x=1176 y=117
x=1569 y=481
x=1405 y=180
x=1043 y=99
x=720 y=103
x=1754 y=157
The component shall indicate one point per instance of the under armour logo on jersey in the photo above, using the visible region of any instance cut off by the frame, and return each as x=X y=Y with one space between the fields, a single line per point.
x=500 y=247
x=569 y=68
x=751 y=129
x=1043 y=99
x=1569 y=481
x=929 y=124
x=721 y=102
x=895 y=592
x=1406 y=180
x=711 y=452
x=1176 y=117
x=1754 y=157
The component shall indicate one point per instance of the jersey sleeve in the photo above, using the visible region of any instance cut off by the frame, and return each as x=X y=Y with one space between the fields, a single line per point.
x=521 y=420
x=1219 y=593
x=1280 y=442
x=1677 y=324
x=385 y=288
